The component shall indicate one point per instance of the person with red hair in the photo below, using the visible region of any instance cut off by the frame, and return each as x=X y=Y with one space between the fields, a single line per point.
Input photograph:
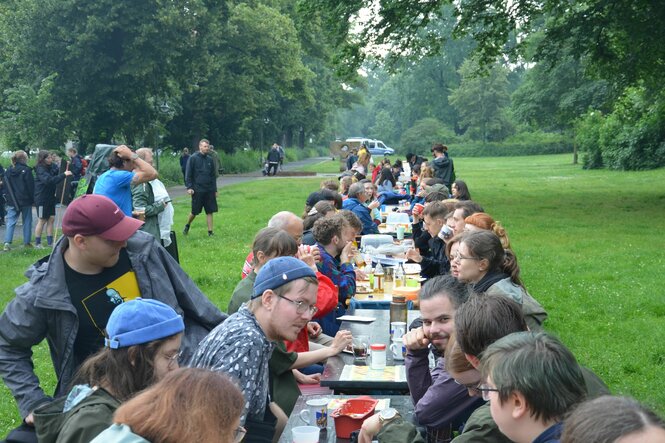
x=481 y=221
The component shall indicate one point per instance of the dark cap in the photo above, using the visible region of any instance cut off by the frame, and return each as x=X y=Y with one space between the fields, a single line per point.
x=94 y=214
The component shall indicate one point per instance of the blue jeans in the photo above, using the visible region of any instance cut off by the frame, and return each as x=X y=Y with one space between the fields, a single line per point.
x=12 y=219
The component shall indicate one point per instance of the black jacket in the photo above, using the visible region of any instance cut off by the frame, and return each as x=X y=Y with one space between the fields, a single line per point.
x=437 y=263
x=19 y=186
x=273 y=156
x=45 y=184
x=200 y=173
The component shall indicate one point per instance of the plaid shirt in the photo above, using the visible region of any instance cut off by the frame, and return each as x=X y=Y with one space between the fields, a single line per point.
x=341 y=274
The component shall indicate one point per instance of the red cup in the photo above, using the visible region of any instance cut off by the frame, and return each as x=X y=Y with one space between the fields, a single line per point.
x=418 y=209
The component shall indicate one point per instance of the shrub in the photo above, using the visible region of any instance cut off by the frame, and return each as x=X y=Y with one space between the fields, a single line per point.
x=423 y=134
x=525 y=143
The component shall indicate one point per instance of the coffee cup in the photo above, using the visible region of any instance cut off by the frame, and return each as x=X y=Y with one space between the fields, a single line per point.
x=316 y=413
x=305 y=434
x=398 y=349
x=397 y=329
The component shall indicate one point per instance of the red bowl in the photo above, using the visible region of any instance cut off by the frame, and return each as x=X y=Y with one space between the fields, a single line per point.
x=350 y=416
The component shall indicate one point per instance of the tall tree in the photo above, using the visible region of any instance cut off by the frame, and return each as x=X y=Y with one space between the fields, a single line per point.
x=482 y=101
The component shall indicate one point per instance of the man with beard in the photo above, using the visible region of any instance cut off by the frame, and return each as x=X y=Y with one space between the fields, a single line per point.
x=441 y=404
x=334 y=238
x=283 y=301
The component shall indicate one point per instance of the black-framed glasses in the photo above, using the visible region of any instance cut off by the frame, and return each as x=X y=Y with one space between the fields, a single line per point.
x=239 y=434
x=301 y=306
x=485 y=389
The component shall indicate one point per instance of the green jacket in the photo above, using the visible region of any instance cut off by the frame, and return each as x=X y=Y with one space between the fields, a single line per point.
x=80 y=424
x=285 y=390
x=242 y=293
x=142 y=196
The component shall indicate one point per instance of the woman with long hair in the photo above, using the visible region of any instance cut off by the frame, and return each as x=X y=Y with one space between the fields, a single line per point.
x=460 y=190
x=143 y=345
x=491 y=269
x=481 y=221
x=189 y=404
x=46 y=180
x=322 y=209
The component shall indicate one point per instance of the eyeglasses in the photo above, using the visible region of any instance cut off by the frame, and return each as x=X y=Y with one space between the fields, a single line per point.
x=173 y=358
x=474 y=386
x=239 y=434
x=460 y=257
x=301 y=306
x=485 y=389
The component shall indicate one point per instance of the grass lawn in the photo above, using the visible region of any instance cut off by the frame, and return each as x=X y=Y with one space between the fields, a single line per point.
x=590 y=245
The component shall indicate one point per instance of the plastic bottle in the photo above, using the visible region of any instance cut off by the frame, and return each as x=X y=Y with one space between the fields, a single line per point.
x=400 y=277
x=378 y=279
x=398 y=311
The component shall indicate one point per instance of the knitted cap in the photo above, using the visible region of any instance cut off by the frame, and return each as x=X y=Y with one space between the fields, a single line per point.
x=141 y=321
x=278 y=272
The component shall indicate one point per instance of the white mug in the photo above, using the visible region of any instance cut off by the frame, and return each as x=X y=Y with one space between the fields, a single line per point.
x=397 y=329
x=316 y=413
x=398 y=348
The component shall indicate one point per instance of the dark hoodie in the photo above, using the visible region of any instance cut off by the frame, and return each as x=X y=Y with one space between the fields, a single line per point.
x=19 y=185
x=47 y=179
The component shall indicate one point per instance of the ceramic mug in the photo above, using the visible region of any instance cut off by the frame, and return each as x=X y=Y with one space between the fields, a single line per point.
x=316 y=413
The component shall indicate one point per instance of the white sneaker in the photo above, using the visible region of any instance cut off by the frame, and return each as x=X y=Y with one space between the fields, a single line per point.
x=6 y=247
x=39 y=246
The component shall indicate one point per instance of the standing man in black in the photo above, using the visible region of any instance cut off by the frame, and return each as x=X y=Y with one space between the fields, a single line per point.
x=201 y=183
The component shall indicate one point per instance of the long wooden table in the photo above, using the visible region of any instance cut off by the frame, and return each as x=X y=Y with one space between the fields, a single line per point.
x=378 y=332
x=402 y=403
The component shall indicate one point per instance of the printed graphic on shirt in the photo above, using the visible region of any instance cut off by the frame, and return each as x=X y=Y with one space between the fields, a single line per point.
x=101 y=303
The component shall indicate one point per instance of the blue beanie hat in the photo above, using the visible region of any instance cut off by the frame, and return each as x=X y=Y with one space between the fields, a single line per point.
x=141 y=321
x=278 y=272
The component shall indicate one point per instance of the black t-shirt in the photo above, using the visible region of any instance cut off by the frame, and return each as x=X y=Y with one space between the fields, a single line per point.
x=95 y=297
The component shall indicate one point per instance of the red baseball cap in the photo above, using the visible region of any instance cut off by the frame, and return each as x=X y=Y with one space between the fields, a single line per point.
x=94 y=214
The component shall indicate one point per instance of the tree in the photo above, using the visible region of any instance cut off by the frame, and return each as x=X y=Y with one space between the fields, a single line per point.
x=482 y=101
x=423 y=134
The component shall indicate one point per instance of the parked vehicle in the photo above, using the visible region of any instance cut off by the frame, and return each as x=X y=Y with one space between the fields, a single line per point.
x=375 y=147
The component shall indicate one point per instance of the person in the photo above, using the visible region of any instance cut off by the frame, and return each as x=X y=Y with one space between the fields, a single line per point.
x=351 y=159
x=184 y=157
x=217 y=162
x=414 y=160
x=201 y=184
x=284 y=220
x=360 y=167
x=386 y=186
x=481 y=321
x=143 y=197
x=463 y=209
x=19 y=186
x=334 y=238
x=45 y=198
x=452 y=247
x=440 y=404
x=532 y=382
x=344 y=185
x=434 y=217
x=189 y=404
x=492 y=270
x=355 y=203
x=282 y=154
x=323 y=194
x=321 y=209
x=283 y=302
x=609 y=419
x=460 y=190
x=273 y=159
x=372 y=203
x=142 y=346
x=481 y=221
x=442 y=164
x=127 y=169
x=100 y=262
x=76 y=167
x=3 y=201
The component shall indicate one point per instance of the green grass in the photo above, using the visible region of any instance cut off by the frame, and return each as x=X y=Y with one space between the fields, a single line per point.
x=590 y=245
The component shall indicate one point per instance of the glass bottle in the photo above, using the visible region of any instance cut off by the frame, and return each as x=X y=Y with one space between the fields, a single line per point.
x=378 y=279
x=398 y=311
x=400 y=276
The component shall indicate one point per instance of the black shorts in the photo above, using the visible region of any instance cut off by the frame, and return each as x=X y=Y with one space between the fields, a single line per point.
x=46 y=210
x=204 y=200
